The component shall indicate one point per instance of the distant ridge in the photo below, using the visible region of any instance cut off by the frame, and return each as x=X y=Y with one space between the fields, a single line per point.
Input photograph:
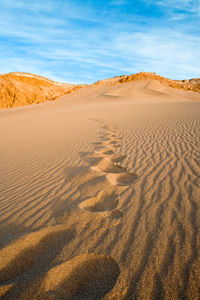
x=19 y=89
x=186 y=85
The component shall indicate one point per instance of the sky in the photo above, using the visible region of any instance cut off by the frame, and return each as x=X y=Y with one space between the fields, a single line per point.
x=82 y=41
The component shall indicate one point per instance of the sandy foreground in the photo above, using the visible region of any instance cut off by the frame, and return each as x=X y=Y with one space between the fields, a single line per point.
x=100 y=195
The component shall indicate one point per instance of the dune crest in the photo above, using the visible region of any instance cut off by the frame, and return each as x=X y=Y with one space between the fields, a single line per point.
x=19 y=89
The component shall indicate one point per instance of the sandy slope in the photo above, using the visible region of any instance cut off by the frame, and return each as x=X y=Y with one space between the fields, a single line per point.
x=19 y=89
x=100 y=195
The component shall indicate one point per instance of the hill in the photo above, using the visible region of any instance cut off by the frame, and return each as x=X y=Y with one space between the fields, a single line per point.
x=18 y=89
x=186 y=85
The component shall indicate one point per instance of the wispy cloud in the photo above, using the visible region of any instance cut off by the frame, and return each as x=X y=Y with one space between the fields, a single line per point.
x=166 y=52
x=84 y=42
x=191 y=6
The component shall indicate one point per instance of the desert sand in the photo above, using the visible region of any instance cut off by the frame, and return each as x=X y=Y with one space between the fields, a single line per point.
x=100 y=195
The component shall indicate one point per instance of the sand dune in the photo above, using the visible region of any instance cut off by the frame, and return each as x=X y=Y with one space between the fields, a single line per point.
x=19 y=89
x=100 y=195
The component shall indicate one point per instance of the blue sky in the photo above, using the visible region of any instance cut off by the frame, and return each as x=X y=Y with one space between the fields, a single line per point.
x=85 y=41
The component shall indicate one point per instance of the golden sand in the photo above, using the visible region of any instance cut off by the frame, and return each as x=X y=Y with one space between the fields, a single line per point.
x=100 y=195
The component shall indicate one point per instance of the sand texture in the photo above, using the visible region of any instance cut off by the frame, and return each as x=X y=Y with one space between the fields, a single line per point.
x=100 y=195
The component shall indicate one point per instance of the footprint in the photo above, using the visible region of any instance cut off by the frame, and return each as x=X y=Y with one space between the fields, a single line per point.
x=88 y=276
x=104 y=135
x=106 y=166
x=117 y=158
x=20 y=255
x=61 y=218
x=91 y=156
x=103 y=202
x=105 y=151
x=105 y=139
x=124 y=178
x=110 y=142
x=116 y=214
x=93 y=159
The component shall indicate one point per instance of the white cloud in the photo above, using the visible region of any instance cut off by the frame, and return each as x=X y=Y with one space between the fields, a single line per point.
x=162 y=51
x=64 y=46
x=191 y=6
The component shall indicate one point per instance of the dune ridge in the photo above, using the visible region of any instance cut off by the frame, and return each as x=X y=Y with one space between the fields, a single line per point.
x=186 y=85
x=18 y=89
x=192 y=85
